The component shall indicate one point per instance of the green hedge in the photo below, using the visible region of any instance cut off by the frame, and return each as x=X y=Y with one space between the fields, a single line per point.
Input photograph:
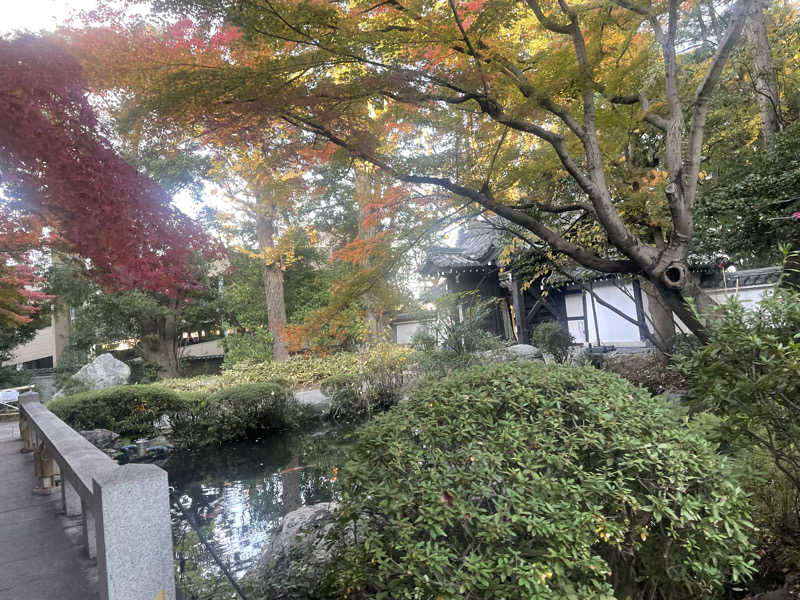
x=236 y=412
x=242 y=411
x=302 y=372
x=129 y=410
x=535 y=481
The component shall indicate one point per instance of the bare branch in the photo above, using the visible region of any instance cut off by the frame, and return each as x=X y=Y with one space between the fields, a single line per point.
x=654 y=119
x=470 y=47
x=494 y=159
x=558 y=208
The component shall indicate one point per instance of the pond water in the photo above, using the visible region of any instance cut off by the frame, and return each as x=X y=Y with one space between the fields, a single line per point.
x=235 y=496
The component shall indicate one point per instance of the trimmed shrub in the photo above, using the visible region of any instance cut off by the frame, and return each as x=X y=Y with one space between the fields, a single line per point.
x=554 y=339
x=377 y=385
x=125 y=409
x=301 y=372
x=234 y=413
x=250 y=409
x=525 y=480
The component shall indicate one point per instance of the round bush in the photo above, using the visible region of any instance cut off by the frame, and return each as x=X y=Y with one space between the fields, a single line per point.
x=525 y=480
x=125 y=409
x=250 y=409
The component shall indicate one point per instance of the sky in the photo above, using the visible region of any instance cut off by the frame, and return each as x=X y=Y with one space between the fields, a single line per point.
x=35 y=15
x=38 y=15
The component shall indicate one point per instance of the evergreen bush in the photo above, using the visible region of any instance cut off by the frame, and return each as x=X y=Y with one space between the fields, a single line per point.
x=250 y=409
x=749 y=376
x=553 y=338
x=130 y=410
x=525 y=480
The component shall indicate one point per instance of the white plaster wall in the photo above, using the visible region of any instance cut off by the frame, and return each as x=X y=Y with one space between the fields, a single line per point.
x=405 y=331
x=749 y=296
x=574 y=303
x=613 y=328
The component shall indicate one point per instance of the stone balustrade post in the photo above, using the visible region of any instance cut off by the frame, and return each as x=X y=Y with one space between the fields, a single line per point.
x=44 y=468
x=89 y=529
x=134 y=537
x=70 y=499
x=26 y=433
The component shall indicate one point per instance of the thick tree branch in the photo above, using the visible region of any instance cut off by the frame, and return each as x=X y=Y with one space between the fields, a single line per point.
x=703 y=96
x=654 y=119
x=483 y=197
x=546 y=21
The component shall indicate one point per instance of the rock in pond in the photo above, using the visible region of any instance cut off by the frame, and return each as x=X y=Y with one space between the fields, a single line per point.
x=293 y=564
x=314 y=402
x=103 y=439
x=103 y=372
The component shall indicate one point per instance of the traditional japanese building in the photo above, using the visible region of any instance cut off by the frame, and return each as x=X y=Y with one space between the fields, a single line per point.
x=598 y=309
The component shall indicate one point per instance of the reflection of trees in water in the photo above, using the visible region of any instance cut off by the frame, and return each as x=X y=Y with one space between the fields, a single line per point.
x=238 y=494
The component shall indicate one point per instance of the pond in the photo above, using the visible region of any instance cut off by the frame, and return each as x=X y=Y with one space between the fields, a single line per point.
x=235 y=497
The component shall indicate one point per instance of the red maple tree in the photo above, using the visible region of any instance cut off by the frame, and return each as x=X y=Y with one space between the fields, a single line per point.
x=56 y=163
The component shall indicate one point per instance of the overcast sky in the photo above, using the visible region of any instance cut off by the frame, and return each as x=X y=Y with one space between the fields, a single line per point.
x=35 y=15
x=38 y=15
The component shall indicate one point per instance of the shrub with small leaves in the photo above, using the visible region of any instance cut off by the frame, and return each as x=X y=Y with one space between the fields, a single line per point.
x=234 y=413
x=302 y=372
x=553 y=338
x=377 y=385
x=126 y=409
x=749 y=375
x=525 y=480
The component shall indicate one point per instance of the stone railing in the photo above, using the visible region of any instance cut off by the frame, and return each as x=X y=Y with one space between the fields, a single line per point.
x=125 y=509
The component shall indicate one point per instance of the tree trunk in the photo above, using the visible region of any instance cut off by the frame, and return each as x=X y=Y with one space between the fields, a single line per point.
x=160 y=345
x=363 y=195
x=663 y=322
x=675 y=301
x=763 y=74
x=272 y=275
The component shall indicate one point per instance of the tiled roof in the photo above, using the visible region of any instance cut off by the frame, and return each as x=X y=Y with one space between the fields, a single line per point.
x=744 y=278
x=710 y=276
x=477 y=246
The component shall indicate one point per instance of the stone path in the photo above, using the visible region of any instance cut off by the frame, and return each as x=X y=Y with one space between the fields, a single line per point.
x=38 y=558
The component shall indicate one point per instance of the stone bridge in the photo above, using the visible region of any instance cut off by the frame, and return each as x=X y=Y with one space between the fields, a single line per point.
x=75 y=525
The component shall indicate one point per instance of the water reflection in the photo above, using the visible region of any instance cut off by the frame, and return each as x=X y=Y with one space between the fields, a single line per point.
x=237 y=495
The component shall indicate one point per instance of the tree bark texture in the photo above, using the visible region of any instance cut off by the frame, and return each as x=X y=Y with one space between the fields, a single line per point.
x=363 y=195
x=663 y=323
x=765 y=81
x=159 y=345
x=272 y=274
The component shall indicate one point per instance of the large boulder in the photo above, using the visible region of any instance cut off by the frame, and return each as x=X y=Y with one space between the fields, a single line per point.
x=292 y=566
x=524 y=351
x=314 y=403
x=103 y=439
x=103 y=372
